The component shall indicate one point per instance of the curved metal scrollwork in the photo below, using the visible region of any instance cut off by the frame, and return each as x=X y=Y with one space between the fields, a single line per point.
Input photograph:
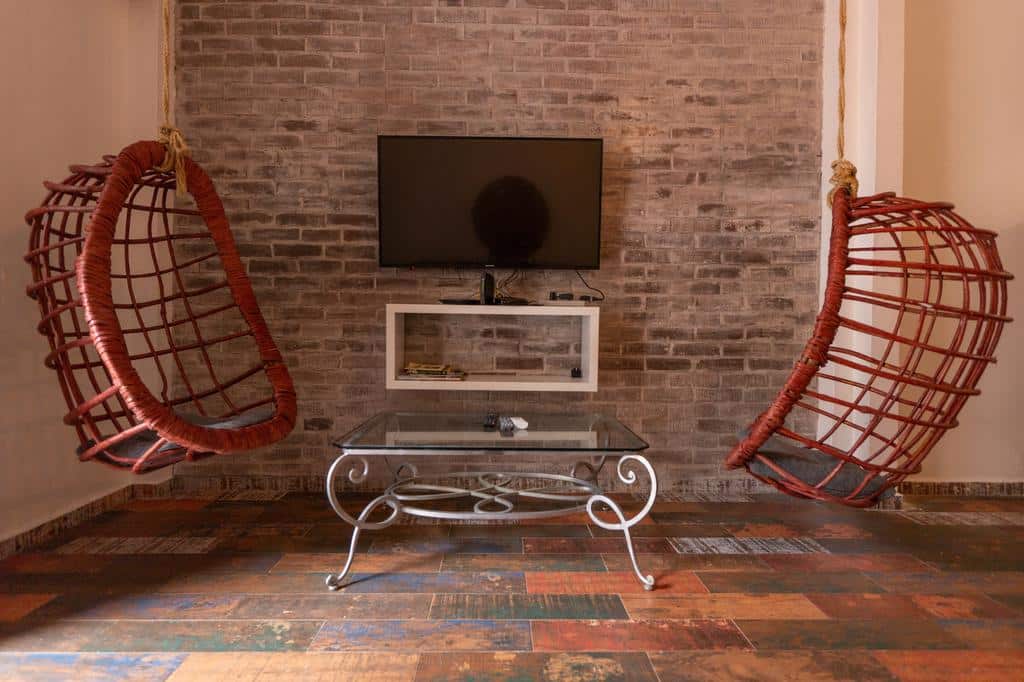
x=496 y=496
x=629 y=477
x=356 y=474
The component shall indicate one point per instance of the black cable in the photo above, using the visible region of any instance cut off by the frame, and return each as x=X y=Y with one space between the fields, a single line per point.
x=504 y=281
x=587 y=285
x=502 y=289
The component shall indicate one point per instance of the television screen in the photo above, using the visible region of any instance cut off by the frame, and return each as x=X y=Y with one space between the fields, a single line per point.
x=483 y=201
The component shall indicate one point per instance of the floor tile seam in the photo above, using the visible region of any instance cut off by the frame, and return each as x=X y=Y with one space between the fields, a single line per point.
x=746 y=638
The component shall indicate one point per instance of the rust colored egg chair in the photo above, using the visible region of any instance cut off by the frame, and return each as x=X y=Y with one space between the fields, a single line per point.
x=159 y=347
x=914 y=305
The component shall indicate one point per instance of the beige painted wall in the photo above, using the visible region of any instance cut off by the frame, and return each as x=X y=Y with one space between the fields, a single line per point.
x=963 y=143
x=874 y=116
x=79 y=80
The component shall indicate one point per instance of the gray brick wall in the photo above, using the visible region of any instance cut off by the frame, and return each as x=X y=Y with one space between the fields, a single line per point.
x=710 y=113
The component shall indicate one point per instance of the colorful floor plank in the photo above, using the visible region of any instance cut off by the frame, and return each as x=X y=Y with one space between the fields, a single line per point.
x=161 y=635
x=979 y=518
x=611 y=582
x=606 y=545
x=732 y=606
x=871 y=605
x=964 y=606
x=769 y=666
x=519 y=531
x=848 y=634
x=313 y=583
x=61 y=667
x=14 y=607
x=959 y=582
x=953 y=666
x=139 y=607
x=424 y=635
x=688 y=562
x=527 y=606
x=753 y=545
x=140 y=545
x=582 y=563
x=520 y=667
x=807 y=583
x=339 y=605
x=331 y=562
x=463 y=545
x=987 y=634
x=322 y=667
x=839 y=563
x=40 y=562
x=636 y=635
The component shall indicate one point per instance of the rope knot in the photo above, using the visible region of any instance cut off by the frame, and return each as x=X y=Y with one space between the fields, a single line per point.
x=844 y=174
x=174 y=158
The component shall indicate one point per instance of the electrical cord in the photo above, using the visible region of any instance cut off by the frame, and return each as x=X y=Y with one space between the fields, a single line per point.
x=502 y=289
x=587 y=285
x=503 y=292
x=503 y=285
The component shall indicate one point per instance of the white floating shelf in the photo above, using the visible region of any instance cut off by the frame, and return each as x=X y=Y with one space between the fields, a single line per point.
x=395 y=346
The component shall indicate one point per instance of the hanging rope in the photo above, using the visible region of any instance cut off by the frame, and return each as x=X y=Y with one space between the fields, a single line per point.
x=844 y=173
x=170 y=137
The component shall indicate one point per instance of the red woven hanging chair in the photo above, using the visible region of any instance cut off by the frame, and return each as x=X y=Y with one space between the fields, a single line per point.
x=914 y=306
x=126 y=297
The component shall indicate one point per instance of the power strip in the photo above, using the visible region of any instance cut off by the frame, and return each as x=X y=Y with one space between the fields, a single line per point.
x=572 y=302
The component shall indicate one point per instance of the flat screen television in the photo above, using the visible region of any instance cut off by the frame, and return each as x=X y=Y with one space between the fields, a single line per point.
x=489 y=201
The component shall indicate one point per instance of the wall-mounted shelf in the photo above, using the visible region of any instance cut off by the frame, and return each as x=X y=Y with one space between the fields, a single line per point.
x=588 y=316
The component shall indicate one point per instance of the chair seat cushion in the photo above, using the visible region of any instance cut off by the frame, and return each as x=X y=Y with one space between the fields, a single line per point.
x=131 y=449
x=813 y=466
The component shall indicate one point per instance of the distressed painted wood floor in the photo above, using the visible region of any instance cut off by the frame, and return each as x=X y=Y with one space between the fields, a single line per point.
x=770 y=589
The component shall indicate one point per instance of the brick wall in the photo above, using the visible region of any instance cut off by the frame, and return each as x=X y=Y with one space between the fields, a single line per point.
x=710 y=113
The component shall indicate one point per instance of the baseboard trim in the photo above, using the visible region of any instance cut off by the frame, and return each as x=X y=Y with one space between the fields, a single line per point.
x=964 y=488
x=719 y=485
x=50 y=529
x=207 y=486
x=738 y=484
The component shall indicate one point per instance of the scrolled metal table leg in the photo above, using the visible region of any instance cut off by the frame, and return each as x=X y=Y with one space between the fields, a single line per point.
x=356 y=474
x=629 y=477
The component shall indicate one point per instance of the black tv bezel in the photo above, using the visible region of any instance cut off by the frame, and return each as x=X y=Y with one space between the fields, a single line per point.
x=507 y=138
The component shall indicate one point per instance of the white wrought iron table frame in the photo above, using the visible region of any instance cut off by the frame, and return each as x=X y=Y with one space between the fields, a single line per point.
x=495 y=494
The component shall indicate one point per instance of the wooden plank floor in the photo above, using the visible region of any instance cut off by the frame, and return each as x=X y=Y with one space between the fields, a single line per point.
x=768 y=589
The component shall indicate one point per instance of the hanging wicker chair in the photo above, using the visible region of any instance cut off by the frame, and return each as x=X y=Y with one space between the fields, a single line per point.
x=126 y=298
x=915 y=302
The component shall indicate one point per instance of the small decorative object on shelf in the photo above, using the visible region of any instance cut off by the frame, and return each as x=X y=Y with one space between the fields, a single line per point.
x=506 y=426
x=417 y=371
x=512 y=424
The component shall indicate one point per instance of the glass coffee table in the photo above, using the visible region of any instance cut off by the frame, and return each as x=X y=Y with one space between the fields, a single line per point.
x=584 y=442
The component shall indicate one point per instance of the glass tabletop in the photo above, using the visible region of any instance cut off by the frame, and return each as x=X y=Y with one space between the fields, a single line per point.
x=447 y=431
